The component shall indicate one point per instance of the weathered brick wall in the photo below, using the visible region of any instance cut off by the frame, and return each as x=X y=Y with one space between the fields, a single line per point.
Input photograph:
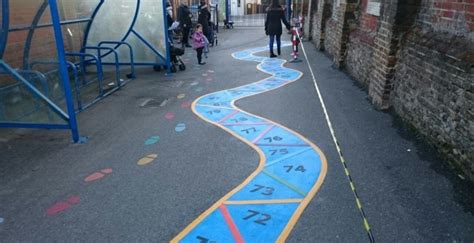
x=417 y=57
x=322 y=15
x=434 y=79
x=358 y=60
x=330 y=40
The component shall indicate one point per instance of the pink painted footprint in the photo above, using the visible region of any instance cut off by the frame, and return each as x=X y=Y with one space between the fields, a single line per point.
x=98 y=175
x=63 y=205
x=169 y=116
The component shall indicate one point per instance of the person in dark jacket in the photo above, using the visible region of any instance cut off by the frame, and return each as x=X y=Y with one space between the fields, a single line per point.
x=169 y=13
x=204 y=18
x=184 y=18
x=273 y=28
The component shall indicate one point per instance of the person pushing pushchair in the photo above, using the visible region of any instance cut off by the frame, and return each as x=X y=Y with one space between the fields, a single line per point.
x=184 y=18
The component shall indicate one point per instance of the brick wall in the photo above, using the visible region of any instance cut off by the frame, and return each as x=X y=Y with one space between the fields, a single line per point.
x=417 y=57
x=434 y=79
x=43 y=45
x=330 y=37
x=320 y=18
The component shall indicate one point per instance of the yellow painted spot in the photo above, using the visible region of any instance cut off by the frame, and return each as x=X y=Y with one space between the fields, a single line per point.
x=181 y=96
x=352 y=186
x=347 y=171
x=147 y=159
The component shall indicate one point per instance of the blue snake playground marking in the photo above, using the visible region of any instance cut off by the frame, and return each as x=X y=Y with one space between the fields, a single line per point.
x=267 y=205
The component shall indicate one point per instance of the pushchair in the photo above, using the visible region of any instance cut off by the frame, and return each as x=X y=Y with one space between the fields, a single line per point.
x=212 y=34
x=229 y=24
x=175 y=56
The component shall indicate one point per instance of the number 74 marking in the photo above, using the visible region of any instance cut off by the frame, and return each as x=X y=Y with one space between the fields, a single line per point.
x=299 y=168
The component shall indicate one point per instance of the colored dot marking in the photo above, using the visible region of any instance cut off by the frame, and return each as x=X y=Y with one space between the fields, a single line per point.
x=147 y=159
x=267 y=205
x=181 y=96
x=152 y=140
x=180 y=127
x=169 y=116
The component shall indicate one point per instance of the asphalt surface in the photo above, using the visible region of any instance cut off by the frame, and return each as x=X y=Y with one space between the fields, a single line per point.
x=406 y=190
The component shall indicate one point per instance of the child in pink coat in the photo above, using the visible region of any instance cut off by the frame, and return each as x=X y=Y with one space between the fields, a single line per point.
x=199 y=42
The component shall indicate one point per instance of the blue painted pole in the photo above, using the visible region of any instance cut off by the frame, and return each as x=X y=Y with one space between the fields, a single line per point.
x=63 y=69
x=288 y=10
x=227 y=10
x=167 y=41
x=4 y=27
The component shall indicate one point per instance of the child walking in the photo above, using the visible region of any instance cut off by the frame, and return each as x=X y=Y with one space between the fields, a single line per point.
x=199 y=42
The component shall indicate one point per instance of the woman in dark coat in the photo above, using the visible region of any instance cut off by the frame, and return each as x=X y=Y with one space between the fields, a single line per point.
x=273 y=28
x=204 y=17
x=184 y=18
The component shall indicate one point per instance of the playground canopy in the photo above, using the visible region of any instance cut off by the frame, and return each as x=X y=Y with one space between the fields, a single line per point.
x=57 y=56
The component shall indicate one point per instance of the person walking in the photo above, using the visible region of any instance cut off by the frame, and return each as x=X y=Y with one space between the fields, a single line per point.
x=184 y=18
x=204 y=18
x=273 y=28
x=199 y=42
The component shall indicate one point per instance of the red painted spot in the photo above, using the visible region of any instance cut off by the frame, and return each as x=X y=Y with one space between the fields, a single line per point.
x=94 y=176
x=186 y=105
x=106 y=170
x=169 y=115
x=57 y=208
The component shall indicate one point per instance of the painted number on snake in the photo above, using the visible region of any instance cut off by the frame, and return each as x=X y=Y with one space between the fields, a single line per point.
x=279 y=151
x=262 y=219
x=271 y=139
x=249 y=130
x=213 y=111
x=267 y=191
x=290 y=168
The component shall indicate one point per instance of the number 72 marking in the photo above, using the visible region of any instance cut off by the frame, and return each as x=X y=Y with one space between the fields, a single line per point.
x=264 y=217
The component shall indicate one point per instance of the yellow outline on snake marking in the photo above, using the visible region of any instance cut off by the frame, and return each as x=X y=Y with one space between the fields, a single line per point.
x=303 y=204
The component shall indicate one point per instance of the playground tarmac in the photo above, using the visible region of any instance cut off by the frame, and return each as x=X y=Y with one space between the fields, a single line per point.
x=151 y=166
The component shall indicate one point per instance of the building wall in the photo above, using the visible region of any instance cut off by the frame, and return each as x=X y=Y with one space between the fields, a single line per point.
x=417 y=57
x=360 y=46
x=434 y=78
